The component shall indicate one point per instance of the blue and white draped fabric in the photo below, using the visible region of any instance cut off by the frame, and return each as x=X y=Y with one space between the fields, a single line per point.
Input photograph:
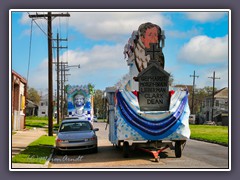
x=136 y=125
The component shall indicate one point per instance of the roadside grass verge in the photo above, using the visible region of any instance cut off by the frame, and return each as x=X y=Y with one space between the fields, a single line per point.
x=209 y=133
x=37 y=122
x=36 y=118
x=102 y=120
x=37 y=152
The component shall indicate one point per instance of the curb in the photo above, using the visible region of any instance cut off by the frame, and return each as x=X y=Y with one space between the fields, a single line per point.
x=213 y=142
x=46 y=165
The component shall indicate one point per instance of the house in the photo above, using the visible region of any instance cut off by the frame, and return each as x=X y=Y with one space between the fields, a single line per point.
x=19 y=91
x=43 y=106
x=31 y=108
x=220 y=108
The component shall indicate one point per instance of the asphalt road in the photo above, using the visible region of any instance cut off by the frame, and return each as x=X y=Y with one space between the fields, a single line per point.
x=195 y=155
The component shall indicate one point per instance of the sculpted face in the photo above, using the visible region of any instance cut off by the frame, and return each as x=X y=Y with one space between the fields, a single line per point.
x=151 y=36
x=79 y=100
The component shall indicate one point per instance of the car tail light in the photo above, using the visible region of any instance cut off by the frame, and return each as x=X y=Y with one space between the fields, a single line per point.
x=90 y=139
x=59 y=140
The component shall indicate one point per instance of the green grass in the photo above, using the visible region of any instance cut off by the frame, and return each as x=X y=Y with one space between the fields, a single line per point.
x=37 y=122
x=36 y=118
x=56 y=126
x=209 y=133
x=37 y=152
x=101 y=120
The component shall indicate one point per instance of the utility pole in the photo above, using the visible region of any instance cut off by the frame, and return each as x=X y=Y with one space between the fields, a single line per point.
x=62 y=68
x=62 y=89
x=58 y=82
x=193 y=89
x=49 y=16
x=213 y=91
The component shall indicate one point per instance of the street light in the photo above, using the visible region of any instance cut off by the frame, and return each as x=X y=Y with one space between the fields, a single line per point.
x=78 y=66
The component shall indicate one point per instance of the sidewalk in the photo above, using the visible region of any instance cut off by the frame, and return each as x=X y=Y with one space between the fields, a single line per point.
x=21 y=140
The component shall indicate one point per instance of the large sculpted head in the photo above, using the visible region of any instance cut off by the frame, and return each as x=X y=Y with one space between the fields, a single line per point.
x=149 y=33
x=79 y=101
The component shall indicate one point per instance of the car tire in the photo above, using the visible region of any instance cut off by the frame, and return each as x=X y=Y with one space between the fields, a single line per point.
x=57 y=151
x=95 y=150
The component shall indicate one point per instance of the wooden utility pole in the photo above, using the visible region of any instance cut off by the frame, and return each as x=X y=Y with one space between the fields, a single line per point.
x=213 y=91
x=65 y=67
x=193 y=90
x=58 y=81
x=49 y=16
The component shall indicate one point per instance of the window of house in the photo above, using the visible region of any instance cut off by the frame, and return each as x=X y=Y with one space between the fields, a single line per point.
x=217 y=103
x=43 y=113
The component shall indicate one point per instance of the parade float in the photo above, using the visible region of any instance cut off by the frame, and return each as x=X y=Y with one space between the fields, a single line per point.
x=144 y=112
x=80 y=101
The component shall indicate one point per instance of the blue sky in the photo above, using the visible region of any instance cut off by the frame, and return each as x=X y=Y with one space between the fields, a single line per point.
x=195 y=40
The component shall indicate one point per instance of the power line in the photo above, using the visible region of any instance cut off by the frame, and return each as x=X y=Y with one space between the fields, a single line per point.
x=30 y=49
x=58 y=81
x=49 y=16
x=38 y=25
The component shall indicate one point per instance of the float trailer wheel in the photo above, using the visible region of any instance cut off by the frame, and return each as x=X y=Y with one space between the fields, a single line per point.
x=178 y=148
x=125 y=149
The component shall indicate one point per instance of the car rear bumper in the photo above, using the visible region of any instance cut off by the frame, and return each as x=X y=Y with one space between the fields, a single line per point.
x=76 y=146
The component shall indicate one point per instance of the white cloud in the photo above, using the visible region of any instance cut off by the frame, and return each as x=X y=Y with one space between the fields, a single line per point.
x=25 y=19
x=111 y=25
x=39 y=25
x=38 y=78
x=101 y=63
x=205 y=50
x=205 y=80
x=103 y=25
x=99 y=57
x=205 y=16
x=183 y=34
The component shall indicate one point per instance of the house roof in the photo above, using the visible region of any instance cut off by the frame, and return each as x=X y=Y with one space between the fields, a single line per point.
x=31 y=104
x=22 y=79
x=222 y=93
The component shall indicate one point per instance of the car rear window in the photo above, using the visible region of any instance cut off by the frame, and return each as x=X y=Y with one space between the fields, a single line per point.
x=75 y=126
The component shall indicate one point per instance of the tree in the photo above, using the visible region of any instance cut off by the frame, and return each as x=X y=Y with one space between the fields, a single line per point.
x=33 y=95
x=98 y=103
x=200 y=95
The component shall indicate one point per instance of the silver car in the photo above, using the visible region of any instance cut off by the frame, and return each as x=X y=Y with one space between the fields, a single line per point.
x=75 y=135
